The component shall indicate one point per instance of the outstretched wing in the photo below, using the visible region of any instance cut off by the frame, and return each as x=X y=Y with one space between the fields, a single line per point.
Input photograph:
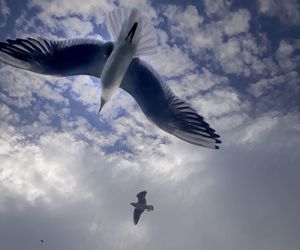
x=61 y=58
x=142 y=197
x=164 y=108
x=136 y=215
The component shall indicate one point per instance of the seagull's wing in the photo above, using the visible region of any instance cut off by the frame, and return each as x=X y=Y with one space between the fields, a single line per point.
x=142 y=197
x=60 y=58
x=164 y=108
x=136 y=215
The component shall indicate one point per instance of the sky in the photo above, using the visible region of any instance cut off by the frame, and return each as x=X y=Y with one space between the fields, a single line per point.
x=68 y=176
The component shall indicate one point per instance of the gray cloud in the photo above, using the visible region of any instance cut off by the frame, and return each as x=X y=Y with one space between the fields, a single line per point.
x=4 y=13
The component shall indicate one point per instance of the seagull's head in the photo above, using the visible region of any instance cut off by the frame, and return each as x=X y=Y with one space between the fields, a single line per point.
x=102 y=103
x=132 y=204
x=131 y=33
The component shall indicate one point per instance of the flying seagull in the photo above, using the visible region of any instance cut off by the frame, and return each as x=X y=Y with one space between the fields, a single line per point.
x=118 y=65
x=140 y=206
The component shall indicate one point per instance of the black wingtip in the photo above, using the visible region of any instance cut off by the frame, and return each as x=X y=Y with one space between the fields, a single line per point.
x=218 y=141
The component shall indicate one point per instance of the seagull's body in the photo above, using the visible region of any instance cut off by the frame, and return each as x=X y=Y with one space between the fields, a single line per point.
x=115 y=69
x=118 y=65
x=140 y=206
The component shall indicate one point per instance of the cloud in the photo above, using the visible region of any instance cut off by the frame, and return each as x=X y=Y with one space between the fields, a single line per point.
x=143 y=5
x=240 y=56
x=237 y=22
x=219 y=102
x=279 y=93
x=178 y=62
x=286 y=55
x=226 y=40
x=66 y=195
x=189 y=18
x=216 y=7
x=45 y=179
x=69 y=26
x=91 y=9
x=288 y=12
x=67 y=175
x=265 y=86
x=21 y=93
x=196 y=83
x=4 y=13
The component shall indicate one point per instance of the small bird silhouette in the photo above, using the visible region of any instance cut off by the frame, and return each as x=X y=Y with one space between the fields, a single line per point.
x=140 y=206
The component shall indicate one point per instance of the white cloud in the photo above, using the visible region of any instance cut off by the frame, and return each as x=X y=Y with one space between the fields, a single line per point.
x=189 y=17
x=69 y=26
x=285 y=56
x=191 y=30
x=73 y=19
x=220 y=102
x=171 y=61
x=21 y=87
x=62 y=19
x=86 y=91
x=287 y=11
x=260 y=129
x=75 y=27
x=239 y=54
x=237 y=22
x=194 y=83
x=216 y=7
x=90 y=9
x=144 y=5
x=269 y=132
x=8 y=115
x=265 y=86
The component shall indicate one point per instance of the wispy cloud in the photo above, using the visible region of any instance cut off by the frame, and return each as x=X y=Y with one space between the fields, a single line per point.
x=4 y=13
x=288 y=12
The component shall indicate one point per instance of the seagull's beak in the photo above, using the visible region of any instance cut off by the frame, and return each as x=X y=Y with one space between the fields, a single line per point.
x=103 y=101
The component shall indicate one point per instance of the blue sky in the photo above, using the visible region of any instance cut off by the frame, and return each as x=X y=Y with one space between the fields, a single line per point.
x=68 y=175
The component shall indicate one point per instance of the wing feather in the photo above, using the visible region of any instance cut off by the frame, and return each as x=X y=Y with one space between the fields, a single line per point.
x=136 y=215
x=142 y=197
x=61 y=57
x=165 y=109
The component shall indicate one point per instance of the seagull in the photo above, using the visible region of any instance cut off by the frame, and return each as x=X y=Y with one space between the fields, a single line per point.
x=118 y=64
x=140 y=206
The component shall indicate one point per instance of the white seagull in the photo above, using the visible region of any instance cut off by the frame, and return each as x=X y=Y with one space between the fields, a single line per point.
x=140 y=206
x=118 y=65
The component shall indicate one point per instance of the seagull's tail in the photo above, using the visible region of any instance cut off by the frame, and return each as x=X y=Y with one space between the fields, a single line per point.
x=131 y=24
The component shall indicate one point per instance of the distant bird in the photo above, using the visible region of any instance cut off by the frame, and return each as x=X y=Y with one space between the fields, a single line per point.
x=140 y=206
x=42 y=241
x=118 y=65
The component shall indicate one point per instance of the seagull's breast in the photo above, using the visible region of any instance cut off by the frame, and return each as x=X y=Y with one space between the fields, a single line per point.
x=140 y=206
x=116 y=67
